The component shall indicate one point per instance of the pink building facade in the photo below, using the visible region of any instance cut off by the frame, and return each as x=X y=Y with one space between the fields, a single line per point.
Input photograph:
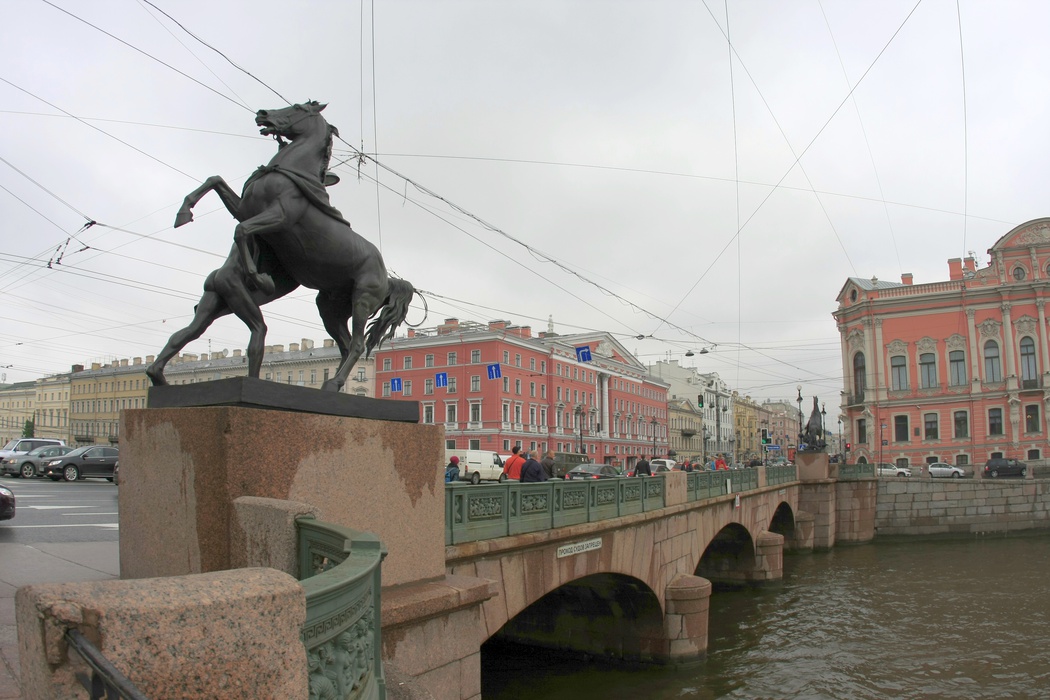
x=495 y=385
x=955 y=371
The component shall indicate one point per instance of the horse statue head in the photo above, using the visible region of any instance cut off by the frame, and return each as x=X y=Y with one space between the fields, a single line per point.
x=302 y=122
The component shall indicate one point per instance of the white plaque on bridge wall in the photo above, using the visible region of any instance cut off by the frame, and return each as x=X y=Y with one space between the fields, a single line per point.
x=569 y=550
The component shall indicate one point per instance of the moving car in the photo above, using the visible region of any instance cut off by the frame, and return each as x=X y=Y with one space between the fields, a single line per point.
x=892 y=470
x=655 y=466
x=669 y=463
x=593 y=471
x=476 y=466
x=32 y=463
x=92 y=460
x=1000 y=466
x=7 y=503
x=21 y=446
x=943 y=469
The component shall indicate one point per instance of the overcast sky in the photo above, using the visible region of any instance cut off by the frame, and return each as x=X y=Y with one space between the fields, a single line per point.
x=702 y=200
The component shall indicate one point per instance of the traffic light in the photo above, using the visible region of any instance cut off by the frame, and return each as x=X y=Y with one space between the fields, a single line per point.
x=847 y=447
x=699 y=400
x=765 y=436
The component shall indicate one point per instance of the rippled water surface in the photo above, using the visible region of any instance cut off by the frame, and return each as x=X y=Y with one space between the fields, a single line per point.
x=944 y=619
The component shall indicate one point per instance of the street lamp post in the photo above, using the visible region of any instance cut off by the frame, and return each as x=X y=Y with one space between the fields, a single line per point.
x=798 y=441
x=842 y=445
x=823 y=428
x=579 y=423
x=882 y=427
x=654 y=436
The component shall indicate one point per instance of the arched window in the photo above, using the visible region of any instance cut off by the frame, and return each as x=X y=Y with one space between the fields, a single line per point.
x=1029 y=371
x=860 y=381
x=927 y=370
x=957 y=368
x=898 y=373
x=992 y=371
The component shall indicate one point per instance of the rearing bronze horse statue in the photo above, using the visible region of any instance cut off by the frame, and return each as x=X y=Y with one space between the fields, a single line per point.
x=286 y=218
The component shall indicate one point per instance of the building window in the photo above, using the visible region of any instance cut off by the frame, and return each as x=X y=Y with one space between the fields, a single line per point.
x=1031 y=418
x=1029 y=372
x=506 y=357
x=860 y=381
x=532 y=364
x=927 y=370
x=406 y=388
x=930 y=426
x=962 y=460
x=386 y=388
x=899 y=373
x=428 y=386
x=900 y=428
x=957 y=368
x=992 y=373
x=388 y=364
x=450 y=413
x=475 y=382
x=517 y=387
x=428 y=413
x=532 y=389
x=506 y=385
x=1020 y=273
x=451 y=359
x=452 y=385
x=962 y=424
x=517 y=360
x=428 y=360
x=475 y=412
x=862 y=431
x=995 y=421
x=475 y=357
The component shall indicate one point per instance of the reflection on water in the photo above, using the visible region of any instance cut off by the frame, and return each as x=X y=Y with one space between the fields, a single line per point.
x=945 y=619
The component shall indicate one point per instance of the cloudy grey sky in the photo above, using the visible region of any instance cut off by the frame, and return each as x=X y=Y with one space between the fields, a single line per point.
x=696 y=198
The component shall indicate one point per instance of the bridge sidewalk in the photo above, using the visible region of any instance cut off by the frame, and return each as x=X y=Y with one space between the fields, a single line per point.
x=60 y=562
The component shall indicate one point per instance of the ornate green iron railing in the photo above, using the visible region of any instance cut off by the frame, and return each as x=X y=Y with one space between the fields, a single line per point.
x=340 y=570
x=781 y=474
x=487 y=511
x=856 y=471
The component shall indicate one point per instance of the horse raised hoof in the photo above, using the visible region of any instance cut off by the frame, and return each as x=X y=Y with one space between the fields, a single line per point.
x=184 y=216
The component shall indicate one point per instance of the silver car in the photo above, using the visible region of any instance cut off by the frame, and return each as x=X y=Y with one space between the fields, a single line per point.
x=30 y=464
x=893 y=470
x=945 y=470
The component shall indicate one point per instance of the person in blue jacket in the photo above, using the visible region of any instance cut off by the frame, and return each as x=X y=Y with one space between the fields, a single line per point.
x=532 y=470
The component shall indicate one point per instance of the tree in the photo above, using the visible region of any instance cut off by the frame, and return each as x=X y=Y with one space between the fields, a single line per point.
x=27 y=429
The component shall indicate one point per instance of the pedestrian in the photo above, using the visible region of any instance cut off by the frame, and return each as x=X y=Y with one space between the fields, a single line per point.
x=642 y=468
x=720 y=463
x=688 y=466
x=532 y=470
x=452 y=470
x=512 y=467
x=548 y=464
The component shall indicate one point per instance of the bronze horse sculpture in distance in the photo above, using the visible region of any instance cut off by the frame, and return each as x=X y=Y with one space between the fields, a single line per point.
x=286 y=222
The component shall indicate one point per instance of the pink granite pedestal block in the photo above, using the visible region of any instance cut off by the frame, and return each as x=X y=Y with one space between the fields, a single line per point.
x=812 y=466
x=182 y=468
x=231 y=634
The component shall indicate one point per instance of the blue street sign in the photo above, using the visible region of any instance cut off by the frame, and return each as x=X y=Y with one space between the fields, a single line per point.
x=494 y=371
x=772 y=447
x=583 y=353
x=395 y=384
x=441 y=379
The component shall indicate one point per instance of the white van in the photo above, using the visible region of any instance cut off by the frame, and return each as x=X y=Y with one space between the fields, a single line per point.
x=662 y=465
x=476 y=466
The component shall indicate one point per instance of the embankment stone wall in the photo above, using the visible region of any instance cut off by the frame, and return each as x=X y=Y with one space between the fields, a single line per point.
x=961 y=506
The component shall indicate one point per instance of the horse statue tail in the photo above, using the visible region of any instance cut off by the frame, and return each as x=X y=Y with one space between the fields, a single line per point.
x=391 y=315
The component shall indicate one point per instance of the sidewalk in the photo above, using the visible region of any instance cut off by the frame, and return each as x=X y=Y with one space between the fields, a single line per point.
x=22 y=565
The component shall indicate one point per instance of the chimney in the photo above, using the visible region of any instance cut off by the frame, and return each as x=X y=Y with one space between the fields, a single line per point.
x=497 y=325
x=150 y=358
x=906 y=278
x=278 y=348
x=329 y=343
x=124 y=362
x=136 y=361
x=77 y=368
x=411 y=332
x=970 y=264
x=955 y=269
x=95 y=365
x=306 y=344
x=216 y=356
x=293 y=347
x=450 y=325
x=237 y=352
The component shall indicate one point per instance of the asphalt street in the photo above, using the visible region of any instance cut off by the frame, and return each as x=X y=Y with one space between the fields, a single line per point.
x=61 y=532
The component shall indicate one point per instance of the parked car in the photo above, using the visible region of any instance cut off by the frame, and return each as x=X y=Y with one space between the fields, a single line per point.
x=943 y=469
x=7 y=503
x=92 y=460
x=32 y=463
x=654 y=466
x=21 y=446
x=593 y=471
x=1000 y=466
x=669 y=463
x=892 y=470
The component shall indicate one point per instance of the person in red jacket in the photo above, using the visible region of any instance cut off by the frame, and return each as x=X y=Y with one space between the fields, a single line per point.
x=512 y=467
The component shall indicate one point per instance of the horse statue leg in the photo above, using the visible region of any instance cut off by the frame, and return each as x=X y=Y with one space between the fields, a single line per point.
x=208 y=309
x=270 y=220
x=230 y=199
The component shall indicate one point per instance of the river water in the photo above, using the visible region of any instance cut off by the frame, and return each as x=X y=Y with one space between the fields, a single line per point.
x=963 y=618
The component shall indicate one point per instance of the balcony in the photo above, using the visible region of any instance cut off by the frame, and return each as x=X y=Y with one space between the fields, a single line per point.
x=688 y=432
x=856 y=399
x=1029 y=384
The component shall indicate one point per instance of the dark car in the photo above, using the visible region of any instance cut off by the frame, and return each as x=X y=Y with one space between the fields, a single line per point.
x=656 y=469
x=7 y=503
x=93 y=460
x=592 y=471
x=1000 y=466
x=32 y=463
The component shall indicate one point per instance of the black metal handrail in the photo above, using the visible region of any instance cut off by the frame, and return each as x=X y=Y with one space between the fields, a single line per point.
x=106 y=682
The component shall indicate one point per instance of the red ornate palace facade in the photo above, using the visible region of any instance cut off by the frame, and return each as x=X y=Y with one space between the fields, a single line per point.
x=957 y=370
x=541 y=395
